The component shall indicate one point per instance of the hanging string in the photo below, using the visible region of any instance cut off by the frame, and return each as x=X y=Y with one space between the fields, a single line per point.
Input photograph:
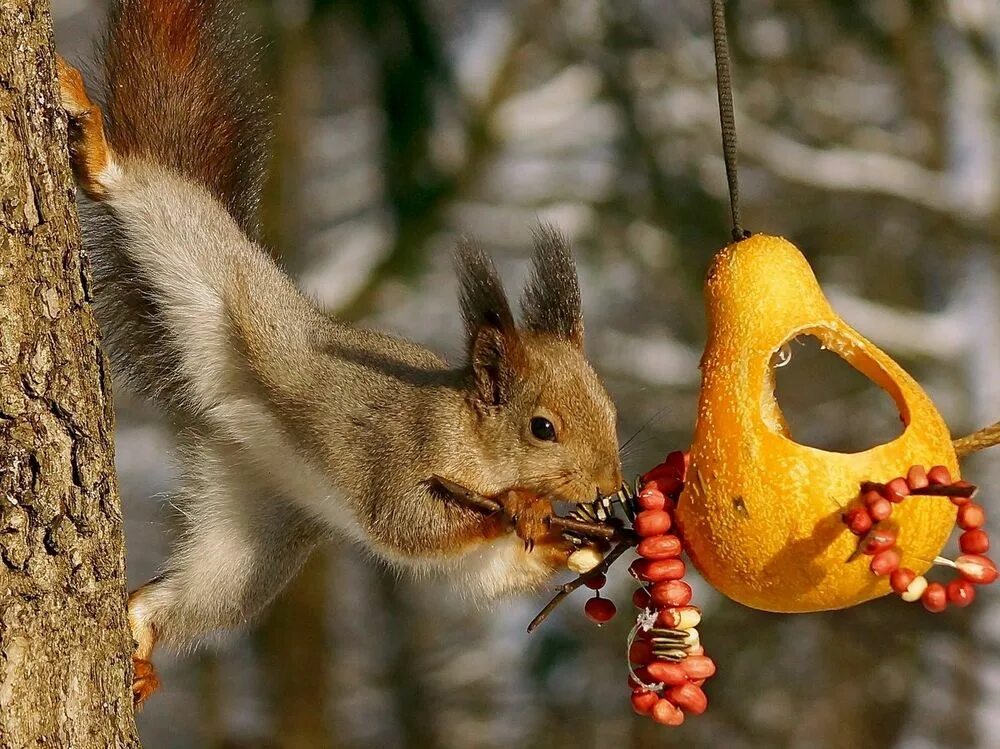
x=724 y=85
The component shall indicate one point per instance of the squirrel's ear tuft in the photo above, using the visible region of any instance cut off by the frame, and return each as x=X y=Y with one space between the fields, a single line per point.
x=551 y=302
x=495 y=352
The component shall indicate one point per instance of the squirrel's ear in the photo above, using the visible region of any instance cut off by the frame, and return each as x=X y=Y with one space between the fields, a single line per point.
x=495 y=352
x=550 y=302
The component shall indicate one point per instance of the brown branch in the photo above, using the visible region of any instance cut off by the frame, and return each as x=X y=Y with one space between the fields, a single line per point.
x=466 y=495
x=958 y=489
x=565 y=590
x=583 y=528
x=985 y=437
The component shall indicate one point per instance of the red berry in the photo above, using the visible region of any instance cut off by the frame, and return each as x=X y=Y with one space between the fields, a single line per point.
x=698 y=667
x=667 y=672
x=900 y=579
x=885 y=562
x=939 y=475
x=976 y=541
x=596 y=582
x=880 y=509
x=896 y=490
x=664 y=569
x=671 y=593
x=971 y=516
x=651 y=523
x=878 y=540
x=935 y=598
x=689 y=697
x=640 y=652
x=640 y=598
x=651 y=499
x=643 y=702
x=916 y=478
x=599 y=609
x=858 y=521
x=977 y=569
x=961 y=592
x=667 y=713
x=660 y=547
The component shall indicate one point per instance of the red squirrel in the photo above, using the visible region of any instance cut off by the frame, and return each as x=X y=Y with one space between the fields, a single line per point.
x=293 y=427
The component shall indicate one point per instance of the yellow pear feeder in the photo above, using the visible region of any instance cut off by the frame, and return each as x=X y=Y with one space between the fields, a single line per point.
x=761 y=515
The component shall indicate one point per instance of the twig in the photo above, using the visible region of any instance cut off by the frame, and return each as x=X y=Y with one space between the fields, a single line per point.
x=985 y=437
x=958 y=489
x=583 y=528
x=467 y=496
x=565 y=590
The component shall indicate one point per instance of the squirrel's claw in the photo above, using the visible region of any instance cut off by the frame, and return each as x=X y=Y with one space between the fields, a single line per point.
x=90 y=155
x=144 y=681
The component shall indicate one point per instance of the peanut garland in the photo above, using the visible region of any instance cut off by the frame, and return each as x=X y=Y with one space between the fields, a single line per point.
x=877 y=538
x=666 y=662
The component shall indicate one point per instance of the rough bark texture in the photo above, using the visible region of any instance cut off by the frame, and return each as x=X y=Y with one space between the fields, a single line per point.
x=64 y=643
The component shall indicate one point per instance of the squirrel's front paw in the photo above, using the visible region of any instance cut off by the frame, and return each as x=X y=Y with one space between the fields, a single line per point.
x=530 y=516
x=144 y=681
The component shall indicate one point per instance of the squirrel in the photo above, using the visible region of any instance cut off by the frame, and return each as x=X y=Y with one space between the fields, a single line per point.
x=293 y=427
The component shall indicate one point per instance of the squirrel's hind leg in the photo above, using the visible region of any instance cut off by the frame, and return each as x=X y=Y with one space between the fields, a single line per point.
x=240 y=545
x=92 y=158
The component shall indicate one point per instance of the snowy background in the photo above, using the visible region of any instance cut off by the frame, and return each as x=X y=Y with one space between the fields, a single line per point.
x=869 y=134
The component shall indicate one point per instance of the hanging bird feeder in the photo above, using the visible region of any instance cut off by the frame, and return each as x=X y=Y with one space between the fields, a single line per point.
x=762 y=514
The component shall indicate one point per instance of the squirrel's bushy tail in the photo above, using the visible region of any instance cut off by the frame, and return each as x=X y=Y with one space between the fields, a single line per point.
x=180 y=91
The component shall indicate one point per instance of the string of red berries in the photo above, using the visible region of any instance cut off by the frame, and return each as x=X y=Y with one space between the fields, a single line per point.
x=667 y=663
x=869 y=520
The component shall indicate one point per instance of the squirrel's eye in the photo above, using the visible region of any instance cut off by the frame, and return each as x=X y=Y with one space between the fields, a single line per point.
x=542 y=429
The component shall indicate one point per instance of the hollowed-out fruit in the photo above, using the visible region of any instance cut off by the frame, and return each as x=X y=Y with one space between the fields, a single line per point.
x=760 y=513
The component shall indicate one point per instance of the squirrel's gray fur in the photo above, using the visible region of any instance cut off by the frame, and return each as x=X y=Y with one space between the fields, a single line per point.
x=292 y=426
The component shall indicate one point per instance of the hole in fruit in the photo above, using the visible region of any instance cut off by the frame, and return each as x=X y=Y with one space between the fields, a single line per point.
x=828 y=404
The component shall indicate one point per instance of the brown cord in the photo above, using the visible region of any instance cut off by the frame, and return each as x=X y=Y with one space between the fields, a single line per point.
x=985 y=437
x=727 y=116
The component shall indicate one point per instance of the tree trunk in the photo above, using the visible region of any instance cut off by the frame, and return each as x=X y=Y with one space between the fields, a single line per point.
x=64 y=643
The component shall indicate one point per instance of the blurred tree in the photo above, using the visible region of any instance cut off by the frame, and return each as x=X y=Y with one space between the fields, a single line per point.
x=64 y=642
x=292 y=644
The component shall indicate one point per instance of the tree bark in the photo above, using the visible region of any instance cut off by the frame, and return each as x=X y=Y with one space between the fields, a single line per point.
x=64 y=642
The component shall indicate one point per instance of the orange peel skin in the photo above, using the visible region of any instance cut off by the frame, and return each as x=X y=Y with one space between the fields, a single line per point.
x=761 y=514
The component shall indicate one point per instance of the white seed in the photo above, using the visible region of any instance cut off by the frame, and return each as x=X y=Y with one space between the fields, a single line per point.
x=915 y=589
x=688 y=617
x=584 y=560
x=692 y=638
